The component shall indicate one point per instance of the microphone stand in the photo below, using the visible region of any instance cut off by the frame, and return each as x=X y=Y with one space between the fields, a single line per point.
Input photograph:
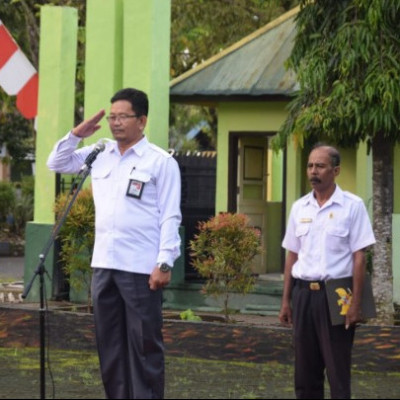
x=40 y=271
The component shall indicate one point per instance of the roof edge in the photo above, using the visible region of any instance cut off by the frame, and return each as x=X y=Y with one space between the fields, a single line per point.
x=272 y=24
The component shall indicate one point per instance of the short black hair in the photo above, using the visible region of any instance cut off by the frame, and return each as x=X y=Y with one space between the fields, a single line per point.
x=137 y=98
x=332 y=151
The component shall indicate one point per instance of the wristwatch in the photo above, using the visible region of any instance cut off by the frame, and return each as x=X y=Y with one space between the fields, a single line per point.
x=164 y=267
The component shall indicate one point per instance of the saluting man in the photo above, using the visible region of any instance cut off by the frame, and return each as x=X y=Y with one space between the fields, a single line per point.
x=136 y=189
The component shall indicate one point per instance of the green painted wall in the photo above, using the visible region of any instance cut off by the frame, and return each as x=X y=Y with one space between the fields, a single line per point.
x=241 y=117
x=363 y=179
x=295 y=173
x=347 y=177
x=276 y=178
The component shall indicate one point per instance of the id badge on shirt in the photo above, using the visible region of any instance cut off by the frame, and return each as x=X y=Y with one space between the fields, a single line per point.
x=135 y=188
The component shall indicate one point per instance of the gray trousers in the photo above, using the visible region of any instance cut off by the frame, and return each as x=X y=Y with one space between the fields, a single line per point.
x=319 y=346
x=128 y=322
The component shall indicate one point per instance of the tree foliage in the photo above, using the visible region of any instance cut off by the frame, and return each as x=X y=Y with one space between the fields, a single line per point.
x=347 y=61
x=202 y=28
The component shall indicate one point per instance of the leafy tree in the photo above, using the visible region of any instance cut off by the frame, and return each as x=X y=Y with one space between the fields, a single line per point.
x=347 y=59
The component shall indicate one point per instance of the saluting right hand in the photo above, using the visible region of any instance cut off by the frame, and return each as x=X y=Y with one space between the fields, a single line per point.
x=89 y=126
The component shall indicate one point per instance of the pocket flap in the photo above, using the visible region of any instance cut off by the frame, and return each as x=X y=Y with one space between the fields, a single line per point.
x=100 y=172
x=140 y=176
x=337 y=231
x=302 y=229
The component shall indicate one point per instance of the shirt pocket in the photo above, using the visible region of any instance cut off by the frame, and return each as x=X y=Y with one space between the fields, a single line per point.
x=149 y=189
x=337 y=238
x=101 y=172
x=301 y=232
x=140 y=176
x=101 y=183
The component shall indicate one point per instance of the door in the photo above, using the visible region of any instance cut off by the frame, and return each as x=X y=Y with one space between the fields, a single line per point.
x=252 y=175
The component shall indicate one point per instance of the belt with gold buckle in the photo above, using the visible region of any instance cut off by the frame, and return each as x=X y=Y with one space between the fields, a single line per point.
x=315 y=286
x=311 y=285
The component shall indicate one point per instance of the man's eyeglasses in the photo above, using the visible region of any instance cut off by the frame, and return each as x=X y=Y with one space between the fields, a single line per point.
x=120 y=117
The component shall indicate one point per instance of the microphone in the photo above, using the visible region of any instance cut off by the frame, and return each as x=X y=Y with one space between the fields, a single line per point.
x=100 y=146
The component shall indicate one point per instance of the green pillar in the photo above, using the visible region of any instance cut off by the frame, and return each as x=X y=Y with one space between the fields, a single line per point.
x=127 y=45
x=103 y=63
x=58 y=39
x=146 y=59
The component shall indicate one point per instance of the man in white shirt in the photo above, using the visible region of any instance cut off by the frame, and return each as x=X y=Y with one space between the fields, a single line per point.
x=136 y=189
x=326 y=237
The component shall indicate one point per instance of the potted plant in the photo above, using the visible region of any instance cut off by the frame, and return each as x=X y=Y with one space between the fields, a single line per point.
x=222 y=252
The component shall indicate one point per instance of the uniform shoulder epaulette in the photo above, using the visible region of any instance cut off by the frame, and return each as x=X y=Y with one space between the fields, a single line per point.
x=160 y=150
x=352 y=196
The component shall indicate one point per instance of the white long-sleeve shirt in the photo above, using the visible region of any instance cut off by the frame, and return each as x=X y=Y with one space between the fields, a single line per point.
x=132 y=234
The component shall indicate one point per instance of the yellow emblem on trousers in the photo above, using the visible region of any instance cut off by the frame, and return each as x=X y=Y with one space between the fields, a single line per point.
x=344 y=299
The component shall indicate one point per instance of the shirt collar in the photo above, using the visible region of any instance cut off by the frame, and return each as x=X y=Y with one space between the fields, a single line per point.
x=337 y=197
x=139 y=147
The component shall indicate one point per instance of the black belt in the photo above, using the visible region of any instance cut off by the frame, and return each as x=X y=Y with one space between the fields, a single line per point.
x=311 y=285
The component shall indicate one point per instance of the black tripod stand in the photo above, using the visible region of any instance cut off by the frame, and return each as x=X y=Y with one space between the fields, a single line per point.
x=40 y=271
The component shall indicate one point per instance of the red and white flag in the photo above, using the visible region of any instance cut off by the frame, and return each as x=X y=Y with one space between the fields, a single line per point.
x=18 y=77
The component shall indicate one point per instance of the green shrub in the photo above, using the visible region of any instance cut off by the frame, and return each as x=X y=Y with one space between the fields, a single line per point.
x=189 y=315
x=22 y=209
x=27 y=185
x=7 y=200
x=22 y=212
x=77 y=240
x=222 y=252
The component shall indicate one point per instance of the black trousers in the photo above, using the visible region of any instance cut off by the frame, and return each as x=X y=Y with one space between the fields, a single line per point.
x=319 y=346
x=128 y=320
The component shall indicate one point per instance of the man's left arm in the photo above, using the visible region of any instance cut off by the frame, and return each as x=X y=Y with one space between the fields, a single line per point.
x=169 y=199
x=353 y=315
